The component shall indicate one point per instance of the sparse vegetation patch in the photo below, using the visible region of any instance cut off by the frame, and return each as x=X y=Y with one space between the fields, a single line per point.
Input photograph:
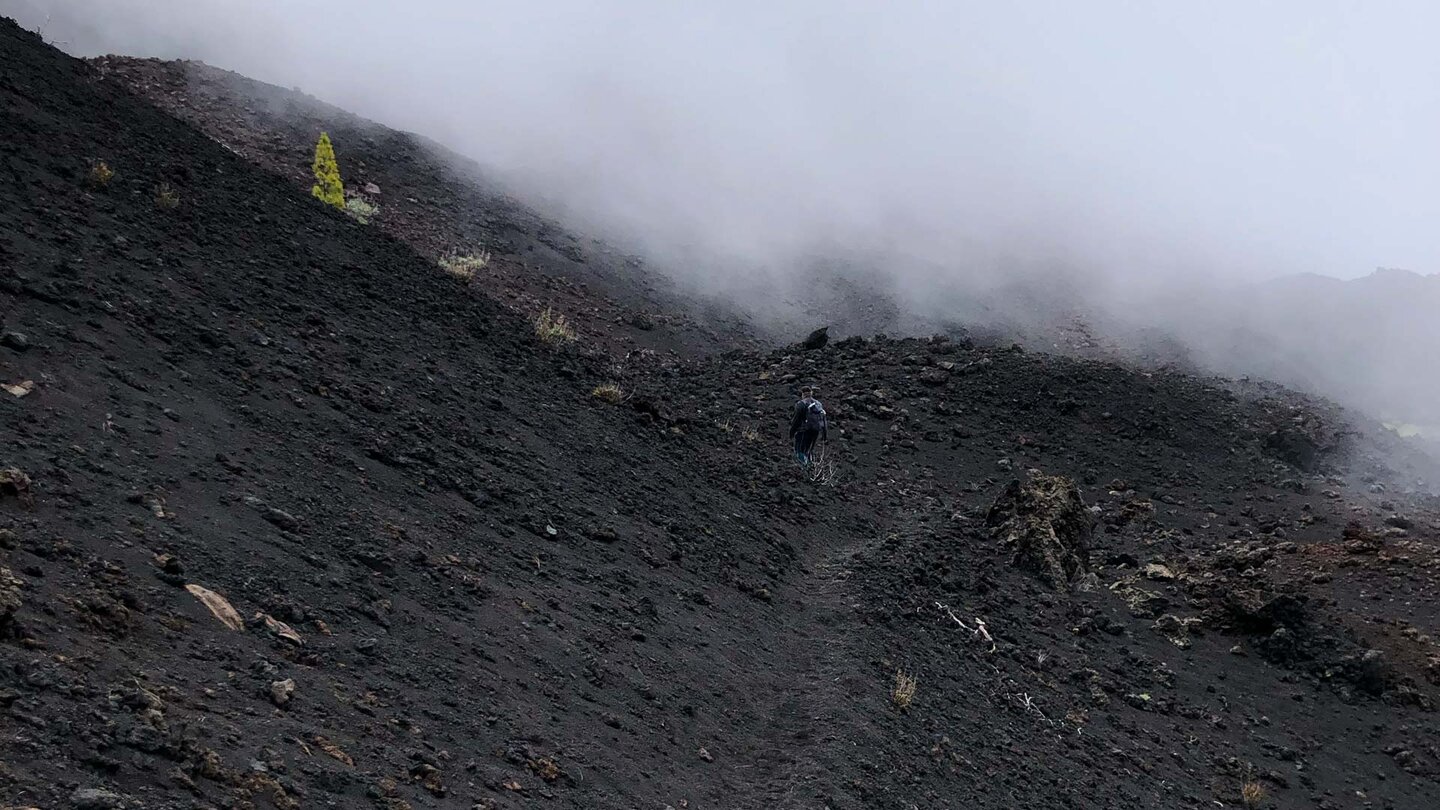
x=1252 y=793
x=608 y=392
x=361 y=209
x=166 y=198
x=903 y=693
x=100 y=174
x=553 y=328
x=464 y=266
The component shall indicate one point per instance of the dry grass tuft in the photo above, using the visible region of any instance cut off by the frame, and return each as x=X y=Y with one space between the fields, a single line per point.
x=545 y=768
x=553 y=328
x=100 y=174
x=609 y=392
x=166 y=198
x=464 y=266
x=903 y=694
x=1252 y=793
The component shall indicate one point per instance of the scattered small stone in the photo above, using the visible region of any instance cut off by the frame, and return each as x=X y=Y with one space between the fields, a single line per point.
x=277 y=517
x=15 y=340
x=603 y=534
x=218 y=605
x=277 y=628
x=706 y=755
x=1158 y=572
x=429 y=778
x=934 y=376
x=20 y=389
x=10 y=598
x=332 y=750
x=96 y=799
x=546 y=768
x=976 y=366
x=16 y=484
x=169 y=563
x=282 y=691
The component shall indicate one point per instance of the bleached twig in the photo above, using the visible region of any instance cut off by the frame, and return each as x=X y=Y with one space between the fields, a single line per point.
x=977 y=631
x=1028 y=704
x=822 y=469
x=1022 y=700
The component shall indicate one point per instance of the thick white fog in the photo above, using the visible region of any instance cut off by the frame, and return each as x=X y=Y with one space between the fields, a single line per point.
x=1143 y=146
x=1153 y=138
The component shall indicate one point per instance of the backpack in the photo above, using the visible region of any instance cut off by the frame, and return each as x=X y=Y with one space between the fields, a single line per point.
x=815 y=415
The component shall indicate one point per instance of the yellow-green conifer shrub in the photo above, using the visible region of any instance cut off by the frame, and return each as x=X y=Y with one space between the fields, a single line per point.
x=327 y=174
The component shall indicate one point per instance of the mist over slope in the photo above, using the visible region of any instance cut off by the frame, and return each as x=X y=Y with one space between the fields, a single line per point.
x=1014 y=167
x=979 y=137
x=1369 y=341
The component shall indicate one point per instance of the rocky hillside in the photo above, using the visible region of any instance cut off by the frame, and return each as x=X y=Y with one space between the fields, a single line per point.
x=289 y=517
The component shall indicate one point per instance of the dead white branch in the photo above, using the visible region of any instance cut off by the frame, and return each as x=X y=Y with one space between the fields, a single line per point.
x=1027 y=703
x=822 y=469
x=978 y=631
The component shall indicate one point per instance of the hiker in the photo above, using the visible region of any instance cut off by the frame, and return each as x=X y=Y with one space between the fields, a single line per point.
x=807 y=424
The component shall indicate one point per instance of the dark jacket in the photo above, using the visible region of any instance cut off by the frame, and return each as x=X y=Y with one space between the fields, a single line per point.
x=808 y=414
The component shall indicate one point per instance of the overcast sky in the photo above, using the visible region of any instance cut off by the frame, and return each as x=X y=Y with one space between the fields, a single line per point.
x=1148 y=139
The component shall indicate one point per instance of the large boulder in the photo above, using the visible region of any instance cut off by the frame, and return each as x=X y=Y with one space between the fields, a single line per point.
x=816 y=339
x=1047 y=527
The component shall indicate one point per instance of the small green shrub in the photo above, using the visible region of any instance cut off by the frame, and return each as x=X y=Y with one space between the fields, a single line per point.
x=328 y=187
x=361 y=209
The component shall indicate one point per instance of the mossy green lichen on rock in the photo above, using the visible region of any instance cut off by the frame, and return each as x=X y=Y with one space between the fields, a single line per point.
x=1047 y=527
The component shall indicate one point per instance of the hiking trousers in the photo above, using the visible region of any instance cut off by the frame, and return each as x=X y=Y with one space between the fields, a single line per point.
x=804 y=443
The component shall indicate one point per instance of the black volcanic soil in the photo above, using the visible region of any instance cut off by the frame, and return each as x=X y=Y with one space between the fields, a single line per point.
x=440 y=202
x=461 y=580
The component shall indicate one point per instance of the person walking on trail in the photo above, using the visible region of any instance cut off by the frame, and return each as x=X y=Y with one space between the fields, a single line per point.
x=807 y=424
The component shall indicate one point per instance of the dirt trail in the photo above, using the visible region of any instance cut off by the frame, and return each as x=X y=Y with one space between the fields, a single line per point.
x=836 y=674
x=818 y=700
